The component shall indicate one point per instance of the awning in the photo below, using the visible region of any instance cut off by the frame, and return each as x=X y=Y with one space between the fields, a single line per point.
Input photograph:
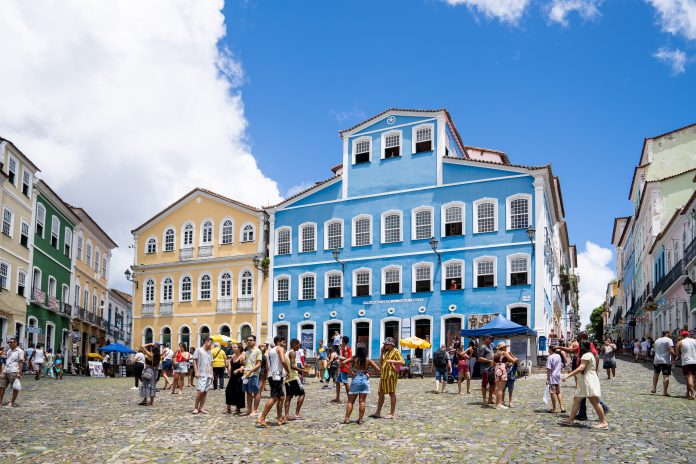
x=499 y=327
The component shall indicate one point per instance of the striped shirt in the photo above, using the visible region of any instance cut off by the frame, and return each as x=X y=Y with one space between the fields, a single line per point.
x=388 y=371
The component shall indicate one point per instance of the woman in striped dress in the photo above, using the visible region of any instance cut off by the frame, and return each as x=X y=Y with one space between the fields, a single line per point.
x=148 y=387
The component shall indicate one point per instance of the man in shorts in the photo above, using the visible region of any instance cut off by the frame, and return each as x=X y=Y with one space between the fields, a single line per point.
x=14 y=363
x=662 y=363
x=322 y=358
x=293 y=383
x=277 y=366
x=343 y=371
x=250 y=380
x=203 y=371
x=443 y=367
x=644 y=349
x=390 y=362
x=686 y=351
x=485 y=357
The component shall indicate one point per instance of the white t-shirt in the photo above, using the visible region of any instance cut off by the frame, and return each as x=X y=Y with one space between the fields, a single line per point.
x=168 y=354
x=39 y=357
x=15 y=358
x=139 y=358
x=662 y=354
x=645 y=345
x=204 y=360
x=107 y=358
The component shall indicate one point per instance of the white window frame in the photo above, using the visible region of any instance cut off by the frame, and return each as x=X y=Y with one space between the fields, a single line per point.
x=162 y=298
x=183 y=234
x=240 y=284
x=383 y=139
x=10 y=159
x=145 y=292
x=241 y=233
x=67 y=241
x=300 y=230
x=401 y=225
x=443 y=272
x=147 y=245
x=21 y=271
x=51 y=286
x=300 y=286
x=41 y=217
x=414 y=212
x=355 y=145
x=277 y=232
x=413 y=275
x=495 y=214
x=415 y=130
x=181 y=335
x=508 y=273
x=443 y=217
x=356 y=219
x=181 y=288
x=202 y=234
x=276 y=279
x=355 y=280
x=164 y=239
x=495 y=270
x=55 y=230
x=12 y=218
x=326 y=232
x=508 y=209
x=23 y=222
x=221 y=240
x=79 y=245
x=8 y=284
x=220 y=276
x=401 y=278
x=24 y=172
x=200 y=286
x=326 y=283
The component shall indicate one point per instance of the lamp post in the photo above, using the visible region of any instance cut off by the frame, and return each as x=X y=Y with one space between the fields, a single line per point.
x=130 y=276
x=688 y=285
x=433 y=244
x=336 y=252
x=260 y=265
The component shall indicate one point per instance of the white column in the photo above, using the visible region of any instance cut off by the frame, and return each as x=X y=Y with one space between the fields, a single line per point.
x=539 y=275
x=271 y=255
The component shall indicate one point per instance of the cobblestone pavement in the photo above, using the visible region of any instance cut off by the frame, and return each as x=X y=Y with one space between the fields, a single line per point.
x=97 y=420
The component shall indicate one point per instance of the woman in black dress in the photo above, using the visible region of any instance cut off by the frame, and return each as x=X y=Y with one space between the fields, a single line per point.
x=234 y=396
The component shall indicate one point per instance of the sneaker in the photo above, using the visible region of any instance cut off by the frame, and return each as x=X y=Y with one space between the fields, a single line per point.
x=135 y=388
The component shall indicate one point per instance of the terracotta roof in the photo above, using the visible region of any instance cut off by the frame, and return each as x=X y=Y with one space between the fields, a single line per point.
x=626 y=227
x=633 y=179
x=77 y=210
x=316 y=185
x=387 y=111
x=547 y=166
x=126 y=296
x=336 y=168
x=36 y=168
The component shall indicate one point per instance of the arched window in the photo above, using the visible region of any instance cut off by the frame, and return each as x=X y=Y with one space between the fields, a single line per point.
x=485 y=217
x=167 y=290
x=282 y=292
x=147 y=336
x=362 y=230
x=188 y=235
x=7 y=221
x=227 y=232
x=40 y=219
x=204 y=287
x=334 y=284
x=423 y=139
x=422 y=223
x=484 y=272
x=391 y=227
x=333 y=234
x=362 y=282
x=246 y=284
x=225 y=286
x=169 y=238
x=391 y=280
x=151 y=245
x=167 y=336
x=207 y=233
x=422 y=277
x=308 y=237
x=4 y=275
x=203 y=334
x=185 y=336
x=454 y=275
x=308 y=286
x=185 y=288
x=519 y=212
x=248 y=233
x=22 y=282
x=518 y=269
x=150 y=291
x=244 y=331
x=453 y=219
x=391 y=144
x=283 y=245
x=55 y=231
x=225 y=330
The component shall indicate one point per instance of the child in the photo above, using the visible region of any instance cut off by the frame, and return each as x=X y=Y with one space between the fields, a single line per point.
x=58 y=367
x=553 y=379
x=510 y=384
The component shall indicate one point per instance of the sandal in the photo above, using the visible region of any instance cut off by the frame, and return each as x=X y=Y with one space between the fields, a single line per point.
x=601 y=427
x=195 y=411
x=566 y=424
x=390 y=417
x=261 y=424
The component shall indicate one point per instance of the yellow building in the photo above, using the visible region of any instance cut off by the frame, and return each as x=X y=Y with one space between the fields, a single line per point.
x=194 y=272
x=91 y=262
x=17 y=199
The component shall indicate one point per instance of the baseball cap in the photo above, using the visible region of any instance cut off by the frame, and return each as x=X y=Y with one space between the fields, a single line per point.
x=684 y=333
x=389 y=341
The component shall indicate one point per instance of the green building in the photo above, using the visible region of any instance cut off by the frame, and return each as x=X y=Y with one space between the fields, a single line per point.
x=49 y=311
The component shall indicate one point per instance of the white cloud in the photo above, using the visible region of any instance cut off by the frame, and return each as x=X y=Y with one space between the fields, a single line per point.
x=509 y=11
x=352 y=116
x=595 y=274
x=677 y=17
x=126 y=106
x=295 y=189
x=676 y=59
x=558 y=10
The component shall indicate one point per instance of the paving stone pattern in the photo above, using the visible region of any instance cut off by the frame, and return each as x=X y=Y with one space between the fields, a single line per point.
x=97 y=420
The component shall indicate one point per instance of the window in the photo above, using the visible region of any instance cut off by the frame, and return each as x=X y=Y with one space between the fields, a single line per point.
x=283 y=241
x=188 y=235
x=391 y=278
x=149 y=292
x=40 y=219
x=361 y=282
x=361 y=150
x=185 y=288
x=453 y=219
x=55 y=231
x=485 y=219
x=51 y=287
x=79 y=247
x=88 y=254
x=67 y=241
x=391 y=227
x=334 y=234
x=204 y=287
x=151 y=245
x=391 y=143
x=7 y=221
x=518 y=269
x=12 y=171
x=21 y=282
x=283 y=288
x=26 y=183
x=104 y=267
x=225 y=286
x=227 y=232
x=167 y=290
x=454 y=275
x=77 y=295
x=248 y=233
x=422 y=221
x=485 y=272
x=308 y=237
x=519 y=213
x=207 y=233
x=334 y=285
x=246 y=284
x=307 y=287
x=24 y=236
x=423 y=139
x=169 y=240
x=422 y=277
x=4 y=275
x=96 y=260
x=362 y=230
x=36 y=282
x=85 y=296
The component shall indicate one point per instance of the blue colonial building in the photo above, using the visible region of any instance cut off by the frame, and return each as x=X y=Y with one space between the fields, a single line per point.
x=417 y=233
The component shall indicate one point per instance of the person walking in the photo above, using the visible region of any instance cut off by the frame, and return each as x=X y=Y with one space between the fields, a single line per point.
x=203 y=371
x=219 y=359
x=343 y=369
x=360 y=385
x=636 y=350
x=502 y=358
x=277 y=367
x=322 y=358
x=138 y=366
x=462 y=357
x=37 y=359
x=333 y=364
x=180 y=368
x=263 y=372
x=588 y=386
x=250 y=381
x=293 y=382
x=686 y=352
x=443 y=366
x=167 y=364
x=554 y=365
x=390 y=361
x=485 y=356
x=50 y=359
x=609 y=349
x=14 y=364
x=148 y=385
x=662 y=362
x=234 y=393
x=644 y=349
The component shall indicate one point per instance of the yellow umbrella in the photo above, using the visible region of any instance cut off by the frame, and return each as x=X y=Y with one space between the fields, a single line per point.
x=94 y=356
x=223 y=340
x=414 y=342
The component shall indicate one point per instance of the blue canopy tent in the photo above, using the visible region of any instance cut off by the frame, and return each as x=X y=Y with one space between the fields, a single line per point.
x=117 y=348
x=500 y=328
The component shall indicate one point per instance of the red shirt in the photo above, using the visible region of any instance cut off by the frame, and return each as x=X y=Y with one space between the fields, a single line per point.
x=592 y=349
x=346 y=353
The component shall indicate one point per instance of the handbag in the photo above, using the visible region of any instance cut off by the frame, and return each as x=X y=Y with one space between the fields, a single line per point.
x=146 y=375
x=16 y=385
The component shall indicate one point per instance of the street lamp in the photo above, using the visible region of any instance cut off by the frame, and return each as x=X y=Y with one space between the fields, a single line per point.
x=336 y=252
x=689 y=285
x=259 y=264
x=531 y=233
x=433 y=244
x=130 y=276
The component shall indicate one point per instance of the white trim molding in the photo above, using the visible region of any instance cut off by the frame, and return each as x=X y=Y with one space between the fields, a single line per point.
x=414 y=269
x=475 y=206
x=443 y=217
x=414 y=214
x=300 y=231
x=401 y=225
x=326 y=232
x=275 y=287
x=443 y=273
x=414 y=133
x=401 y=277
x=277 y=232
x=327 y=275
x=300 y=286
x=508 y=268
x=383 y=139
x=354 y=273
x=353 y=221
x=508 y=210
x=476 y=261
x=354 y=144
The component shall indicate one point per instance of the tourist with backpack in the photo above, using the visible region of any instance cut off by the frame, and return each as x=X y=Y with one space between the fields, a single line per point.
x=443 y=366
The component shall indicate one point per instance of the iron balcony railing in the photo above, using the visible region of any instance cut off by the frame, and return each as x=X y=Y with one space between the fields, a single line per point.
x=148 y=309
x=205 y=251
x=165 y=309
x=65 y=309
x=668 y=279
x=224 y=305
x=38 y=297
x=53 y=304
x=245 y=305
x=690 y=252
x=185 y=254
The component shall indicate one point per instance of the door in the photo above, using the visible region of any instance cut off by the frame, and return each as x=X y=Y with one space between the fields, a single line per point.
x=391 y=329
x=331 y=329
x=422 y=330
x=362 y=334
x=453 y=328
x=282 y=331
x=518 y=346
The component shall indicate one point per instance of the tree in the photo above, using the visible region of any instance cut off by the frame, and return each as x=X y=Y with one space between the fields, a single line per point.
x=595 y=328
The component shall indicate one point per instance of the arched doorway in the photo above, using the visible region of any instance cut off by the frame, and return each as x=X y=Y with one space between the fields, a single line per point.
x=453 y=330
x=282 y=330
x=147 y=336
x=244 y=331
x=391 y=329
x=423 y=329
x=225 y=330
x=167 y=336
x=185 y=337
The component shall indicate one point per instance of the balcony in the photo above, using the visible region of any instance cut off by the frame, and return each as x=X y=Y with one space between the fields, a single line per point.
x=38 y=297
x=245 y=305
x=148 y=309
x=224 y=305
x=66 y=309
x=670 y=278
x=166 y=309
x=690 y=253
x=205 y=251
x=186 y=254
x=53 y=304
x=78 y=313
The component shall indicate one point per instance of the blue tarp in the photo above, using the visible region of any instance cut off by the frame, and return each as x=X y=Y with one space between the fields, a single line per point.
x=499 y=327
x=116 y=348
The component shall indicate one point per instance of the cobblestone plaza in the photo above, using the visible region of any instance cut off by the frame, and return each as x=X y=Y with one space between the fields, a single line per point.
x=97 y=420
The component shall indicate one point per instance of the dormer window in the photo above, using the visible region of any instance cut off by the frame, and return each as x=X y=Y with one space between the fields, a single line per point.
x=423 y=139
x=392 y=145
x=361 y=151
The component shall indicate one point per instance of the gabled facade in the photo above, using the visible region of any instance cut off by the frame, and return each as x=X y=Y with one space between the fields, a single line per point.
x=194 y=271
x=120 y=317
x=354 y=253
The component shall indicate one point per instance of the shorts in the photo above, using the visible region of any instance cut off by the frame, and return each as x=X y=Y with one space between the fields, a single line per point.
x=251 y=385
x=441 y=373
x=487 y=379
x=666 y=369
x=689 y=369
x=276 y=388
x=203 y=384
x=181 y=368
x=322 y=364
x=609 y=364
x=294 y=388
x=7 y=379
x=360 y=385
x=387 y=386
x=167 y=365
x=463 y=366
x=509 y=385
x=37 y=367
x=501 y=374
x=342 y=377
x=555 y=388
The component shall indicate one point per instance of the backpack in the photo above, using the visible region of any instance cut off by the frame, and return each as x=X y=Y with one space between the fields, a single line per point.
x=440 y=359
